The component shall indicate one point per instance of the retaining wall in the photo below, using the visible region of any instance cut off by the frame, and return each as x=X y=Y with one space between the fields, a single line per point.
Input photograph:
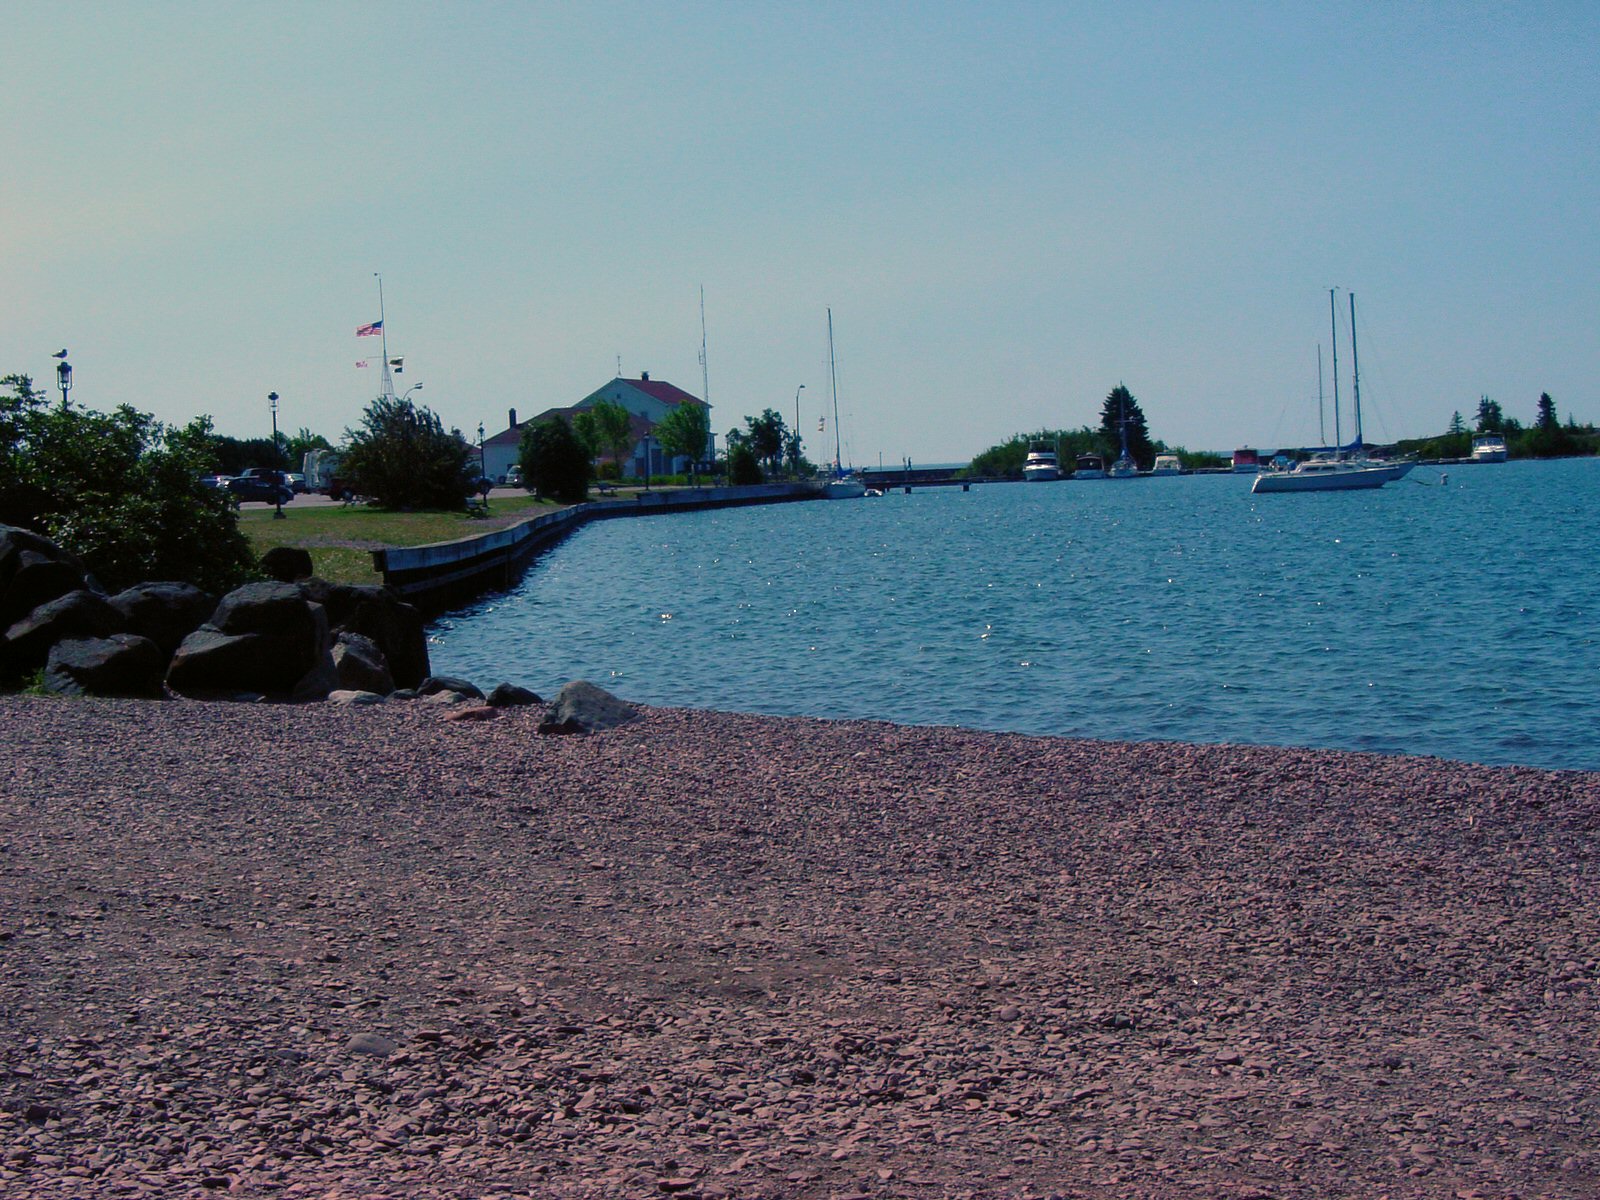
x=441 y=575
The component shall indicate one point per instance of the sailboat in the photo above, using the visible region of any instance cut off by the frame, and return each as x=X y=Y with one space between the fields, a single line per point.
x=841 y=485
x=1348 y=467
x=1124 y=467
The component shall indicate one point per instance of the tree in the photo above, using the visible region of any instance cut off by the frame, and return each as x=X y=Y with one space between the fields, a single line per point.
x=1546 y=420
x=743 y=466
x=230 y=455
x=1490 y=417
x=1457 y=425
x=766 y=437
x=295 y=448
x=555 y=462
x=1119 y=407
x=684 y=431
x=612 y=430
x=401 y=457
x=120 y=490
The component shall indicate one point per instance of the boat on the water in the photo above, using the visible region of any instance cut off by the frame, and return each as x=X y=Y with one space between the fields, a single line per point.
x=1488 y=448
x=1246 y=461
x=1089 y=466
x=841 y=485
x=1349 y=467
x=1124 y=467
x=1167 y=464
x=1041 y=465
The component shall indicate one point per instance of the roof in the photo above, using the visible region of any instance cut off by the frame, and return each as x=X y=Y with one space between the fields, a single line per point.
x=663 y=391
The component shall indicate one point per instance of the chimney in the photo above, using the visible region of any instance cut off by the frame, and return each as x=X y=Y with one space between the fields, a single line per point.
x=513 y=418
x=644 y=376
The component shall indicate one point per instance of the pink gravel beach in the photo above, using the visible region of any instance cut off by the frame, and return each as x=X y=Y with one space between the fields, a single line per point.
x=284 y=951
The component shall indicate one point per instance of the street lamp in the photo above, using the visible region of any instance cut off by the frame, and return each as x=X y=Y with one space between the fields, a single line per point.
x=409 y=390
x=64 y=379
x=796 y=463
x=272 y=403
x=483 y=469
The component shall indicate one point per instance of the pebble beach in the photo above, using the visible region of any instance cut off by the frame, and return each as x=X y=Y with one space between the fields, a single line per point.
x=309 y=951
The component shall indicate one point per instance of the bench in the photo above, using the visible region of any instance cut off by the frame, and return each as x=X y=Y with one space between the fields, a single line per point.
x=606 y=489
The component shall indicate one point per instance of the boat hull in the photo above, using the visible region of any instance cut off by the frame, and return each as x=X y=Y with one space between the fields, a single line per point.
x=1350 y=479
x=844 y=489
x=1041 y=474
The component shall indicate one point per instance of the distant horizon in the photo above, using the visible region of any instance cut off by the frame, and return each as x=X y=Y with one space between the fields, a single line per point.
x=1009 y=209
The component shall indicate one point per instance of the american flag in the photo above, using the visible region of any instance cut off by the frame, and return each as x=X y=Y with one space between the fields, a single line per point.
x=370 y=330
x=361 y=362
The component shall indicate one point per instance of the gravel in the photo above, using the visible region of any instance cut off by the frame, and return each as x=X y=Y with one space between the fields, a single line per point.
x=370 y=952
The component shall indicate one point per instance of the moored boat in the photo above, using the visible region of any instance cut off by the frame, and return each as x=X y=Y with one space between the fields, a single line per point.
x=1041 y=465
x=1488 y=448
x=1167 y=464
x=1089 y=466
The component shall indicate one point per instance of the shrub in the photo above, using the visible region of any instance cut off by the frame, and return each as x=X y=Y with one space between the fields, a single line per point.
x=401 y=457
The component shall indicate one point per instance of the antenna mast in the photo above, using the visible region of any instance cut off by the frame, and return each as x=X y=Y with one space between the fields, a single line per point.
x=705 y=370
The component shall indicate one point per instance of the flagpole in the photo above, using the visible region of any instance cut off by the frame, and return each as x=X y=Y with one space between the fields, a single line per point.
x=383 y=331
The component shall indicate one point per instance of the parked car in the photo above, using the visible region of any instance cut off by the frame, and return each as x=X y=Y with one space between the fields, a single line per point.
x=514 y=477
x=297 y=482
x=215 y=481
x=259 y=483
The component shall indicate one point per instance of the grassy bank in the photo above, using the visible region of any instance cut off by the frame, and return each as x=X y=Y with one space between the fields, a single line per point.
x=341 y=538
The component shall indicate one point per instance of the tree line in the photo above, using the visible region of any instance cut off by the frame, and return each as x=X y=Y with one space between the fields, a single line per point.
x=1547 y=437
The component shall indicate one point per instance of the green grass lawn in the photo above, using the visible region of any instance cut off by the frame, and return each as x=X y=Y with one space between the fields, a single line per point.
x=341 y=538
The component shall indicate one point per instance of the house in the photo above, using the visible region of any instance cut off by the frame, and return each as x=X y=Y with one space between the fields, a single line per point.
x=648 y=402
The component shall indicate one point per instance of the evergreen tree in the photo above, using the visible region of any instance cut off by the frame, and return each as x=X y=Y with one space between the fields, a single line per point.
x=1120 y=406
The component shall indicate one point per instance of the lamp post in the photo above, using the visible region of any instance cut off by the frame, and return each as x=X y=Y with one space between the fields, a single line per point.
x=64 y=380
x=277 y=450
x=796 y=463
x=483 y=468
x=647 y=462
x=409 y=390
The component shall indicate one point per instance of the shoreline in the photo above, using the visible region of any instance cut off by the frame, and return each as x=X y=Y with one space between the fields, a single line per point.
x=306 y=950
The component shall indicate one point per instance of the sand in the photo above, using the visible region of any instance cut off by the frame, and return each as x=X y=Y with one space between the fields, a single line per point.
x=312 y=951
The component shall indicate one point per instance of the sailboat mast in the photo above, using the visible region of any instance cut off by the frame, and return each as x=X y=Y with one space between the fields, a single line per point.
x=1355 y=371
x=1322 y=424
x=705 y=369
x=1333 y=325
x=383 y=331
x=833 y=376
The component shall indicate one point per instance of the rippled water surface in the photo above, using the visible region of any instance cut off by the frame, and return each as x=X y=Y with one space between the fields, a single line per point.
x=1457 y=620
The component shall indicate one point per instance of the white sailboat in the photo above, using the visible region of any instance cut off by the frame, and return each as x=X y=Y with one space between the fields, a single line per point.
x=841 y=485
x=1124 y=467
x=1347 y=468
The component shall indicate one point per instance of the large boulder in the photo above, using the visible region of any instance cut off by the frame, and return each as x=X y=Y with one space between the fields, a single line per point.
x=34 y=571
x=76 y=614
x=166 y=613
x=377 y=613
x=360 y=664
x=581 y=706
x=287 y=564
x=123 y=664
x=264 y=638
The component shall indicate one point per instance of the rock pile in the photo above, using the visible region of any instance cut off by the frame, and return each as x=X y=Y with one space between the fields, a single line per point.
x=299 y=640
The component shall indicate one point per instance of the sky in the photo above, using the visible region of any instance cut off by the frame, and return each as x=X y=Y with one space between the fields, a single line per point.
x=1010 y=208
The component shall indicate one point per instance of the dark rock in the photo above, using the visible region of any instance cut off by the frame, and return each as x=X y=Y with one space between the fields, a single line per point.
x=278 y=608
x=360 y=665
x=378 y=613
x=264 y=637
x=123 y=664
x=559 y=728
x=33 y=571
x=509 y=695
x=166 y=613
x=591 y=708
x=478 y=712
x=80 y=614
x=287 y=564
x=434 y=684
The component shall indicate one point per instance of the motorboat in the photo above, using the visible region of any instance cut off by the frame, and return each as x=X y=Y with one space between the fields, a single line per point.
x=1488 y=447
x=1167 y=464
x=1089 y=466
x=1246 y=461
x=1041 y=465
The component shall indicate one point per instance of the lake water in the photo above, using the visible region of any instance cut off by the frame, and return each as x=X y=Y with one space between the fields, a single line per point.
x=1459 y=619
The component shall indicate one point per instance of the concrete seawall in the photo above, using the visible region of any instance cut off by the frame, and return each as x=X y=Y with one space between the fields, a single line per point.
x=441 y=575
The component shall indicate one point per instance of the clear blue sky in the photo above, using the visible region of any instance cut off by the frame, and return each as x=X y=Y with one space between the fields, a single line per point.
x=1010 y=208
